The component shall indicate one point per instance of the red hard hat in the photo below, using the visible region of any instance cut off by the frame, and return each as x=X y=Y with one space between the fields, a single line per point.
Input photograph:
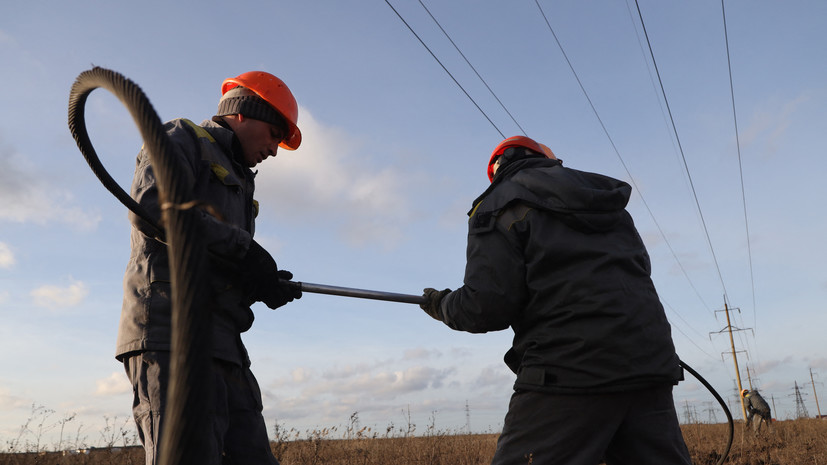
x=275 y=92
x=516 y=141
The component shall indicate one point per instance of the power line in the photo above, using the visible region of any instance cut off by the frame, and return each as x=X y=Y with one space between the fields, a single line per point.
x=472 y=67
x=740 y=168
x=617 y=152
x=651 y=77
x=690 y=327
x=444 y=68
x=680 y=147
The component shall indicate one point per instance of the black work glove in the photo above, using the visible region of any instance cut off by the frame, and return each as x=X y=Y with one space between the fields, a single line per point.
x=433 y=298
x=280 y=292
x=263 y=281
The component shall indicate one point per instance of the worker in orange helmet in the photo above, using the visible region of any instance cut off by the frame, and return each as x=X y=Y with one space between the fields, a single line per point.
x=257 y=114
x=554 y=255
x=756 y=405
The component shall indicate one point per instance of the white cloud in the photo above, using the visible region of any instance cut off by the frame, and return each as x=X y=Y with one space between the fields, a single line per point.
x=29 y=198
x=9 y=401
x=494 y=375
x=381 y=389
x=769 y=124
x=59 y=297
x=116 y=383
x=818 y=362
x=6 y=39
x=300 y=375
x=332 y=176
x=6 y=256
x=421 y=353
x=388 y=384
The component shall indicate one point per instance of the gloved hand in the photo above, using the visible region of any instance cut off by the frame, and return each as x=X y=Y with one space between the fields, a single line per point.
x=263 y=281
x=434 y=297
x=279 y=293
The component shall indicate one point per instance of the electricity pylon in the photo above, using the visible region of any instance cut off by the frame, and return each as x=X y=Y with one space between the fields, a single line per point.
x=800 y=408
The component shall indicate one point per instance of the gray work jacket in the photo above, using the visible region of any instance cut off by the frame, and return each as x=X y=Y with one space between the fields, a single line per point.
x=206 y=152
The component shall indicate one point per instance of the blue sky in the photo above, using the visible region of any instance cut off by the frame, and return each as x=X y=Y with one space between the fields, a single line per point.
x=393 y=154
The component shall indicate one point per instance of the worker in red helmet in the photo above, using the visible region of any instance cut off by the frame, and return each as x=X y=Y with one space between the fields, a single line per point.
x=257 y=115
x=554 y=255
x=756 y=405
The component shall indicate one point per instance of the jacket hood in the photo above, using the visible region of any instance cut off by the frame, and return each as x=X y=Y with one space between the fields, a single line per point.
x=586 y=201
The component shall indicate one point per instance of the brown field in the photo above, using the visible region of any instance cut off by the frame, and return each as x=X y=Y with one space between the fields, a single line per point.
x=794 y=442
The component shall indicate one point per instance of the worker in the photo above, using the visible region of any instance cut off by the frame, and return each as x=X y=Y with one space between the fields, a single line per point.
x=756 y=405
x=256 y=115
x=553 y=254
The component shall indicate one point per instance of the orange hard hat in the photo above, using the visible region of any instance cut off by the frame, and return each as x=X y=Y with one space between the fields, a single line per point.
x=517 y=141
x=275 y=92
x=744 y=392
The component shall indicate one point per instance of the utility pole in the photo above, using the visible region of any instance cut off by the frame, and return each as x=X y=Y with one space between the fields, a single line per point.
x=749 y=378
x=815 y=394
x=729 y=329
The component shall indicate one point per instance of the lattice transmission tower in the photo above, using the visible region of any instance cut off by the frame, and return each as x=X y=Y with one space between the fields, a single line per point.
x=800 y=408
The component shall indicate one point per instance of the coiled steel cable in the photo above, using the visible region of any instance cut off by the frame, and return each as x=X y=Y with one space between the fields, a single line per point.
x=190 y=394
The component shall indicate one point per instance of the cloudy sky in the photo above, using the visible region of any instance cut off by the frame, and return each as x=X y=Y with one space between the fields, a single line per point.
x=394 y=152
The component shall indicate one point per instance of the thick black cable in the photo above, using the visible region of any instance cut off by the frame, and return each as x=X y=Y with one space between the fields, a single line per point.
x=190 y=398
x=77 y=125
x=446 y=69
x=680 y=148
x=717 y=396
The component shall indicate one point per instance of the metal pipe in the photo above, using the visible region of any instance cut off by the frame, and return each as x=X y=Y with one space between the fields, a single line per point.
x=360 y=293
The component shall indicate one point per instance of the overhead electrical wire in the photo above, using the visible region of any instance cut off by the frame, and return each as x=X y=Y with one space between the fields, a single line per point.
x=677 y=328
x=472 y=67
x=617 y=152
x=675 y=147
x=744 y=341
x=740 y=167
x=680 y=148
x=444 y=68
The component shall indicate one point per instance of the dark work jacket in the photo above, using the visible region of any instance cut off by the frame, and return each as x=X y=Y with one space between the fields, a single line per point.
x=553 y=254
x=220 y=182
x=755 y=402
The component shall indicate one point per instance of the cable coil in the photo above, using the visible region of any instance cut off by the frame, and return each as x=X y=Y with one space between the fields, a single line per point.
x=189 y=398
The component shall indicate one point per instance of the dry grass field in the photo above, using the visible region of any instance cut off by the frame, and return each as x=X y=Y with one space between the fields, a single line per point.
x=795 y=442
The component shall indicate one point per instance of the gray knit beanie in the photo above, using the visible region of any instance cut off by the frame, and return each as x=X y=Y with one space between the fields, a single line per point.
x=241 y=100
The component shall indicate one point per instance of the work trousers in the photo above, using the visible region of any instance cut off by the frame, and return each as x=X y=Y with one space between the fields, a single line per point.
x=239 y=432
x=628 y=428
